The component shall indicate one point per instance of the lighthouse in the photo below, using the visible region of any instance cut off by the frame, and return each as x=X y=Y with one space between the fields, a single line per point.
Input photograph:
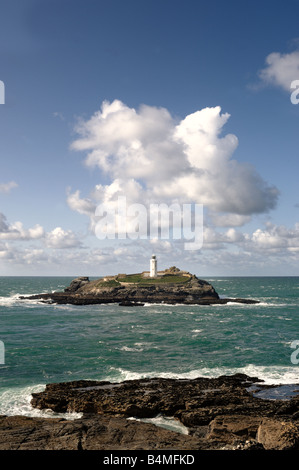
x=153 y=266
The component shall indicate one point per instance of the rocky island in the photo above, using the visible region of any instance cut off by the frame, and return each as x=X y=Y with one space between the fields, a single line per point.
x=171 y=286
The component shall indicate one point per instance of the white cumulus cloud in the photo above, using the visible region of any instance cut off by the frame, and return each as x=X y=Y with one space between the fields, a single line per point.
x=59 y=238
x=150 y=156
x=16 y=231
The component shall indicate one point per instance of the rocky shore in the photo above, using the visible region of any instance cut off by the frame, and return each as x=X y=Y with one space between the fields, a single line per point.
x=224 y=413
x=172 y=286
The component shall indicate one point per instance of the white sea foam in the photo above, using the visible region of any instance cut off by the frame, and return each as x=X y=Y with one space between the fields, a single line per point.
x=271 y=375
x=162 y=304
x=165 y=422
x=15 y=300
x=127 y=348
x=16 y=401
x=138 y=347
x=9 y=301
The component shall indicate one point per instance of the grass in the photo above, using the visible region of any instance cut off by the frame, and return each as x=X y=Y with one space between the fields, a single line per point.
x=165 y=279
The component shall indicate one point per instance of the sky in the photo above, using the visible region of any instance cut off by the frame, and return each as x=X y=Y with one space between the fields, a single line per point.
x=150 y=102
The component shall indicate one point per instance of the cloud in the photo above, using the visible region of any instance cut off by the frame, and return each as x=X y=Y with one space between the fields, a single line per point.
x=59 y=238
x=127 y=143
x=83 y=206
x=7 y=187
x=271 y=239
x=229 y=220
x=56 y=239
x=11 y=254
x=277 y=238
x=281 y=69
x=149 y=156
x=16 y=231
x=58 y=114
x=216 y=240
x=6 y=253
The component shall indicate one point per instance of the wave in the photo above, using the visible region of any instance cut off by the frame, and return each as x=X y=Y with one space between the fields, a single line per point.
x=257 y=305
x=127 y=348
x=16 y=401
x=15 y=300
x=271 y=375
x=162 y=304
x=138 y=347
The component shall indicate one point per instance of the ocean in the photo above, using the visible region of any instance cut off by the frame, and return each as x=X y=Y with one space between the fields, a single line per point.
x=45 y=343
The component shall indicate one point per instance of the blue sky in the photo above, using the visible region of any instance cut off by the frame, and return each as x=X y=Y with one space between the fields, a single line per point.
x=220 y=71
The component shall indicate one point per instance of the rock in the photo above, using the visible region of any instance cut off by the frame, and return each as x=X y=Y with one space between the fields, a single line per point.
x=88 y=433
x=231 y=428
x=220 y=413
x=24 y=433
x=127 y=303
x=278 y=434
x=77 y=284
x=145 y=398
x=192 y=293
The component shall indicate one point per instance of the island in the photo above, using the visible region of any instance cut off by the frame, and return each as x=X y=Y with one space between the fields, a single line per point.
x=170 y=286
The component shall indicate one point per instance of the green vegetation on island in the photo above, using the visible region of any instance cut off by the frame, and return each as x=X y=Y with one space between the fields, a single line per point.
x=140 y=279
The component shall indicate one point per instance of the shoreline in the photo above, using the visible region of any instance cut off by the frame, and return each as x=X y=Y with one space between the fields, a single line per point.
x=221 y=413
x=83 y=299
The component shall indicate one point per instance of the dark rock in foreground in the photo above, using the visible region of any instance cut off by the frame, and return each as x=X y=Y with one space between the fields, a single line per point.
x=145 y=398
x=220 y=413
x=89 y=433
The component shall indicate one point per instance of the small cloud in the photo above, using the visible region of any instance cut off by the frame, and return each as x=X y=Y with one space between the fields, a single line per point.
x=7 y=187
x=83 y=206
x=281 y=69
x=59 y=115
x=59 y=238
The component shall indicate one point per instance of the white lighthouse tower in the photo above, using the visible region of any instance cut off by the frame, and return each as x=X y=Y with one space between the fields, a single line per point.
x=153 y=266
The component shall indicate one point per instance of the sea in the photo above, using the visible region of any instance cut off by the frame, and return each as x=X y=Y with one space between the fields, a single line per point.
x=45 y=343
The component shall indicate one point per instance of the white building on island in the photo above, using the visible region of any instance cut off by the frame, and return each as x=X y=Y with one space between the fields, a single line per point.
x=153 y=266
